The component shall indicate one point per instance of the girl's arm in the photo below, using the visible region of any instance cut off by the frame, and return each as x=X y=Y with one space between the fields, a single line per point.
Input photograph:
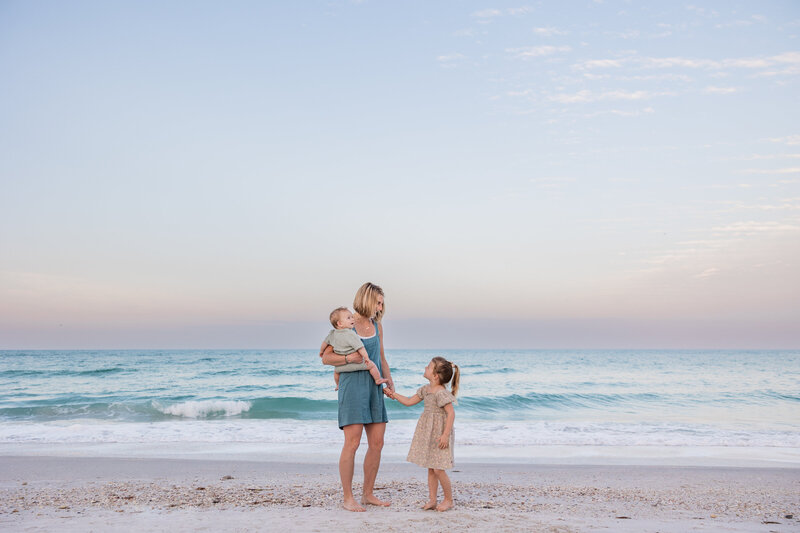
x=333 y=359
x=385 y=370
x=444 y=440
x=402 y=399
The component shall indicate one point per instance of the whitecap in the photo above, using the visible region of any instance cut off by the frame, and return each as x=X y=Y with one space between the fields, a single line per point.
x=205 y=408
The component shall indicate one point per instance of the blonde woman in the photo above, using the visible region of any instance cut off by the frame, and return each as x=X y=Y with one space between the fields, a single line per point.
x=361 y=406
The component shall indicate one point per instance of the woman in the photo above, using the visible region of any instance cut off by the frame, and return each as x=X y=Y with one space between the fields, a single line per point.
x=361 y=401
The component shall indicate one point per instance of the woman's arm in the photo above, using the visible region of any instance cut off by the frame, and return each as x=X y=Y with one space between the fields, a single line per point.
x=385 y=370
x=444 y=440
x=333 y=359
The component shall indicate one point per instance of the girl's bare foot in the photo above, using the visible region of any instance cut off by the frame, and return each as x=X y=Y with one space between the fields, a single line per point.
x=372 y=500
x=430 y=505
x=445 y=505
x=351 y=505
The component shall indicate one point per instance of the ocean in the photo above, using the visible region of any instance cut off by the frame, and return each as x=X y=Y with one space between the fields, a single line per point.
x=623 y=406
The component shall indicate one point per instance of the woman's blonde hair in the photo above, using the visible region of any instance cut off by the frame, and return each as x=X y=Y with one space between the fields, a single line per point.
x=366 y=301
x=447 y=371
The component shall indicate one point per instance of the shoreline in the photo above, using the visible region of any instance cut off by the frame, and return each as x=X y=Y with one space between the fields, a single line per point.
x=43 y=493
x=393 y=452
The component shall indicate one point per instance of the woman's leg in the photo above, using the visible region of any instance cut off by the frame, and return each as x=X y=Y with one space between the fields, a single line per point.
x=447 y=502
x=433 y=488
x=352 y=438
x=372 y=461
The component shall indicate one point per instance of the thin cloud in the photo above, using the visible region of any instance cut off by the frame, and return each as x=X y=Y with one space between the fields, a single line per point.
x=667 y=76
x=549 y=31
x=551 y=182
x=621 y=113
x=725 y=186
x=752 y=228
x=709 y=13
x=788 y=71
x=603 y=63
x=708 y=273
x=758 y=157
x=537 y=51
x=790 y=170
x=791 y=140
x=450 y=60
x=789 y=204
x=449 y=57
x=585 y=96
x=519 y=11
x=720 y=90
x=485 y=16
x=708 y=243
x=792 y=59
x=628 y=34
x=742 y=23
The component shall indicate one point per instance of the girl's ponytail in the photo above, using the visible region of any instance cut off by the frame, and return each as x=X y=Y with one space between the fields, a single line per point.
x=447 y=373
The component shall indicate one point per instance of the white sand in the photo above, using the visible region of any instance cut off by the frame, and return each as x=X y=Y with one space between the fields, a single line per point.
x=113 y=494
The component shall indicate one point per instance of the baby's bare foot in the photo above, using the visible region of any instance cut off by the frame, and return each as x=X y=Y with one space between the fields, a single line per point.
x=351 y=505
x=372 y=500
x=381 y=381
x=445 y=505
x=430 y=505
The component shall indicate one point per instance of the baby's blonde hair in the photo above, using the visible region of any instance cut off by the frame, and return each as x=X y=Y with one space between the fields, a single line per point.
x=335 y=314
x=366 y=301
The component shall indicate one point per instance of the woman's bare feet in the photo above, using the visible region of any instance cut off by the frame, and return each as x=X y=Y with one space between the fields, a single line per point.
x=445 y=505
x=351 y=505
x=430 y=505
x=372 y=500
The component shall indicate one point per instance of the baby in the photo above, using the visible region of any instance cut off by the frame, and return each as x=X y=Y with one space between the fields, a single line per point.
x=345 y=342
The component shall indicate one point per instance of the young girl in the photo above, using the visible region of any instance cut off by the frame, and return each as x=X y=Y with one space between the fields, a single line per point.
x=432 y=445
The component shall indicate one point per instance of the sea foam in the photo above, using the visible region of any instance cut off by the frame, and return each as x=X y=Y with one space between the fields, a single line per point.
x=205 y=408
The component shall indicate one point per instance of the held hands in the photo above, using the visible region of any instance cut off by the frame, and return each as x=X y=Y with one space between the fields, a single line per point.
x=444 y=441
x=389 y=392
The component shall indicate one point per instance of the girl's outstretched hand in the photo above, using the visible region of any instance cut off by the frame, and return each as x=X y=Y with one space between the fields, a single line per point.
x=389 y=392
x=444 y=442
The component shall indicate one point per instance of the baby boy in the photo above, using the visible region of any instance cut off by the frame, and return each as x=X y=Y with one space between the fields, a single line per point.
x=345 y=342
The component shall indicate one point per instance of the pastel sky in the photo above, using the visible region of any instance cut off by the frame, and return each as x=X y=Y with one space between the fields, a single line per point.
x=599 y=174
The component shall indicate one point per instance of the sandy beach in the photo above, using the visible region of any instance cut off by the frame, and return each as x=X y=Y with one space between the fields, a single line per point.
x=107 y=494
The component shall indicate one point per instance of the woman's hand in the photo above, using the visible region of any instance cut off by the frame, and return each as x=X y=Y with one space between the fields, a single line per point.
x=389 y=392
x=444 y=441
x=331 y=358
x=390 y=385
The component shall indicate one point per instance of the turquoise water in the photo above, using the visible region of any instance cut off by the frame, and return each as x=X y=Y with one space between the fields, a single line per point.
x=748 y=399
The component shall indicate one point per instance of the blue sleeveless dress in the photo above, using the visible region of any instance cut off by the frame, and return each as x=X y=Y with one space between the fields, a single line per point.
x=360 y=400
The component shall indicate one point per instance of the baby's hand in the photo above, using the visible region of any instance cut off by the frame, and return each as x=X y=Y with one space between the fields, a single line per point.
x=444 y=442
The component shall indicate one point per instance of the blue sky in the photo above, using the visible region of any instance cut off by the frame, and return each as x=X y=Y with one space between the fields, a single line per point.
x=579 y=174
